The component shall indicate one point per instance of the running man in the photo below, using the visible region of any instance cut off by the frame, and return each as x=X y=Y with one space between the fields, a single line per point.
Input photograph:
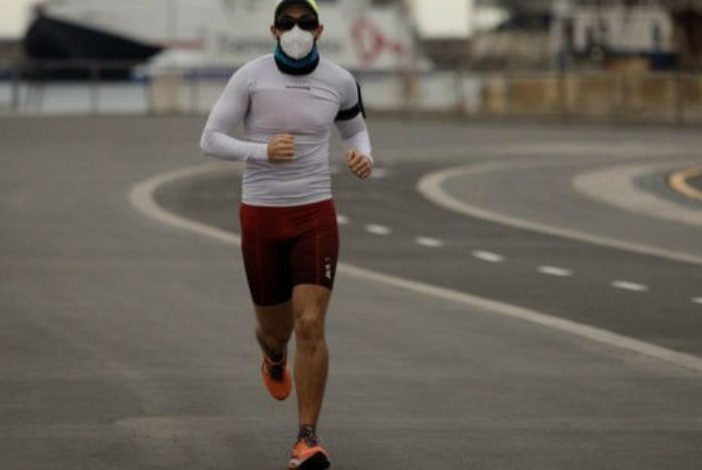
x=288 y=102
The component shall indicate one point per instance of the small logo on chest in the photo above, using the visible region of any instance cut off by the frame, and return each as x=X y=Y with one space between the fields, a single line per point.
x=299 y=87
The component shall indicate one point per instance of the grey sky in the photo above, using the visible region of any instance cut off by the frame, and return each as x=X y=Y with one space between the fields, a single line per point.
x=13 y=17
x=438 y=17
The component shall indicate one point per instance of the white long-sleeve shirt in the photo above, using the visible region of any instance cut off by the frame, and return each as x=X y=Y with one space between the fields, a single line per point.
x=269 y=102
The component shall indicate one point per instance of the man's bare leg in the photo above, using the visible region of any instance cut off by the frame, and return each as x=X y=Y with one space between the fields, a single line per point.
x=310 y=304
x=275 y=327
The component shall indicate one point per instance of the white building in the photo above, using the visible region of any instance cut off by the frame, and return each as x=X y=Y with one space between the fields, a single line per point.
x=601 y=30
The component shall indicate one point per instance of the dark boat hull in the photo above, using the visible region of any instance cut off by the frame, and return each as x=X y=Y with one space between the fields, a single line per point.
x=56 y=48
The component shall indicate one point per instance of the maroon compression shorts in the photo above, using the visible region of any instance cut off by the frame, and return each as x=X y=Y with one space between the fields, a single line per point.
x=287 y=246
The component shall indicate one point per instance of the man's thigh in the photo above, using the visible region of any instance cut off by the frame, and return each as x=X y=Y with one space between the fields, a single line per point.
x=266 y=258
x=315 y=253
x=276 y=318
x=310 y=301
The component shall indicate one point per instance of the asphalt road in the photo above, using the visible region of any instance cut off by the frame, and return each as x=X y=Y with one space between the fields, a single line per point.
x=696 y=182
x=126 y=343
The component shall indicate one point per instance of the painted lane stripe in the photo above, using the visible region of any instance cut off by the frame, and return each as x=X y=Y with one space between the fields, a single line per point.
x=342 y=219
x=616 y=186
x=381 y=230
x=379 y=173
x=680 y=182
x=630 y=286
x=429 y=242
x=697 y=300
x=555 y=271
x=431 y=186
x=488 y=256
x=141 y=196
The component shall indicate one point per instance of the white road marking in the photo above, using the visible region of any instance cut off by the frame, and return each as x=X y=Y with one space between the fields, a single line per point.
x=617 y=187
x=429 y=242
x=697 y=300
x=379 y=173
x=342 y=219
x=431 y=187
x=630 y=286
x=378 y=229
x=489 y=257
x=555 y=271
x=141 y=196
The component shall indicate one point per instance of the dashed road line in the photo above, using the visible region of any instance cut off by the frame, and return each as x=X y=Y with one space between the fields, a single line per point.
x=379 y=173
x=630 y=286
x=378 y=229
x=141 y=196
x=431 y=186
x=488 y=256
x=342 y=219
x=555 y=271
x=697 y=300
x=429 y=242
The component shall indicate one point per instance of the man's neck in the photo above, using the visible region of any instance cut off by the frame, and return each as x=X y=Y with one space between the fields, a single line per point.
x=291 y=66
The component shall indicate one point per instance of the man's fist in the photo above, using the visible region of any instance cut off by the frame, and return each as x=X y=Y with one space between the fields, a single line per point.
x=281 y=148
x=359 y=164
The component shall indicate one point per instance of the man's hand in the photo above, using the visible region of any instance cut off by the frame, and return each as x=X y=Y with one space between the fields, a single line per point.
x=359 y=164
x=281 y=148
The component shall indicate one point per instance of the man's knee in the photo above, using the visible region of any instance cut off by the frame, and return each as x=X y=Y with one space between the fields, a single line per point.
x=309 y=309
x=309 y=329
x=273 y=338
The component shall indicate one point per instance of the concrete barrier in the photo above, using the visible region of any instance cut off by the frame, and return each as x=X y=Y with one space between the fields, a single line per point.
x=165 y=93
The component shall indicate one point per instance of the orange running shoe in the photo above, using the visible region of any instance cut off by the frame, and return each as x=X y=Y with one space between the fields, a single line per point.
x=276 y=377
x=308 y=455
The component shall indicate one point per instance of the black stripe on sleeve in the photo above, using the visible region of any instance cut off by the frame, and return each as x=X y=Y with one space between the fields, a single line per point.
x=360 y=100
x=348 y=114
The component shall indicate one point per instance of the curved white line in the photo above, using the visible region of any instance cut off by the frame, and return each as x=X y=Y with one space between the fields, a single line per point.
x=615 y=186
x=431 y=186
x=141 y=197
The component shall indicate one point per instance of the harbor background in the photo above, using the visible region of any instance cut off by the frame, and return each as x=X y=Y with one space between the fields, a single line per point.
x=554 y=60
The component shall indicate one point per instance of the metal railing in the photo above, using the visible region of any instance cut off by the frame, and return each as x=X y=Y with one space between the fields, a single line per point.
x=26 y=82
x=93 y=87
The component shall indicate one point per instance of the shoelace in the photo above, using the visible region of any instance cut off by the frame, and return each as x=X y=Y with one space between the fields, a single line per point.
x=311 y=441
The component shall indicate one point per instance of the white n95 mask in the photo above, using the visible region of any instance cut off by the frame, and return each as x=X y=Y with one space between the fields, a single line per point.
x=297 y=43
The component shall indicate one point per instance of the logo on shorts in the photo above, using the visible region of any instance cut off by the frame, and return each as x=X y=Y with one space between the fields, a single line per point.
x=328 y=268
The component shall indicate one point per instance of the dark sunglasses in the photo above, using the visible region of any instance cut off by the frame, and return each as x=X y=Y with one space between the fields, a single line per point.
x=307 y=23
